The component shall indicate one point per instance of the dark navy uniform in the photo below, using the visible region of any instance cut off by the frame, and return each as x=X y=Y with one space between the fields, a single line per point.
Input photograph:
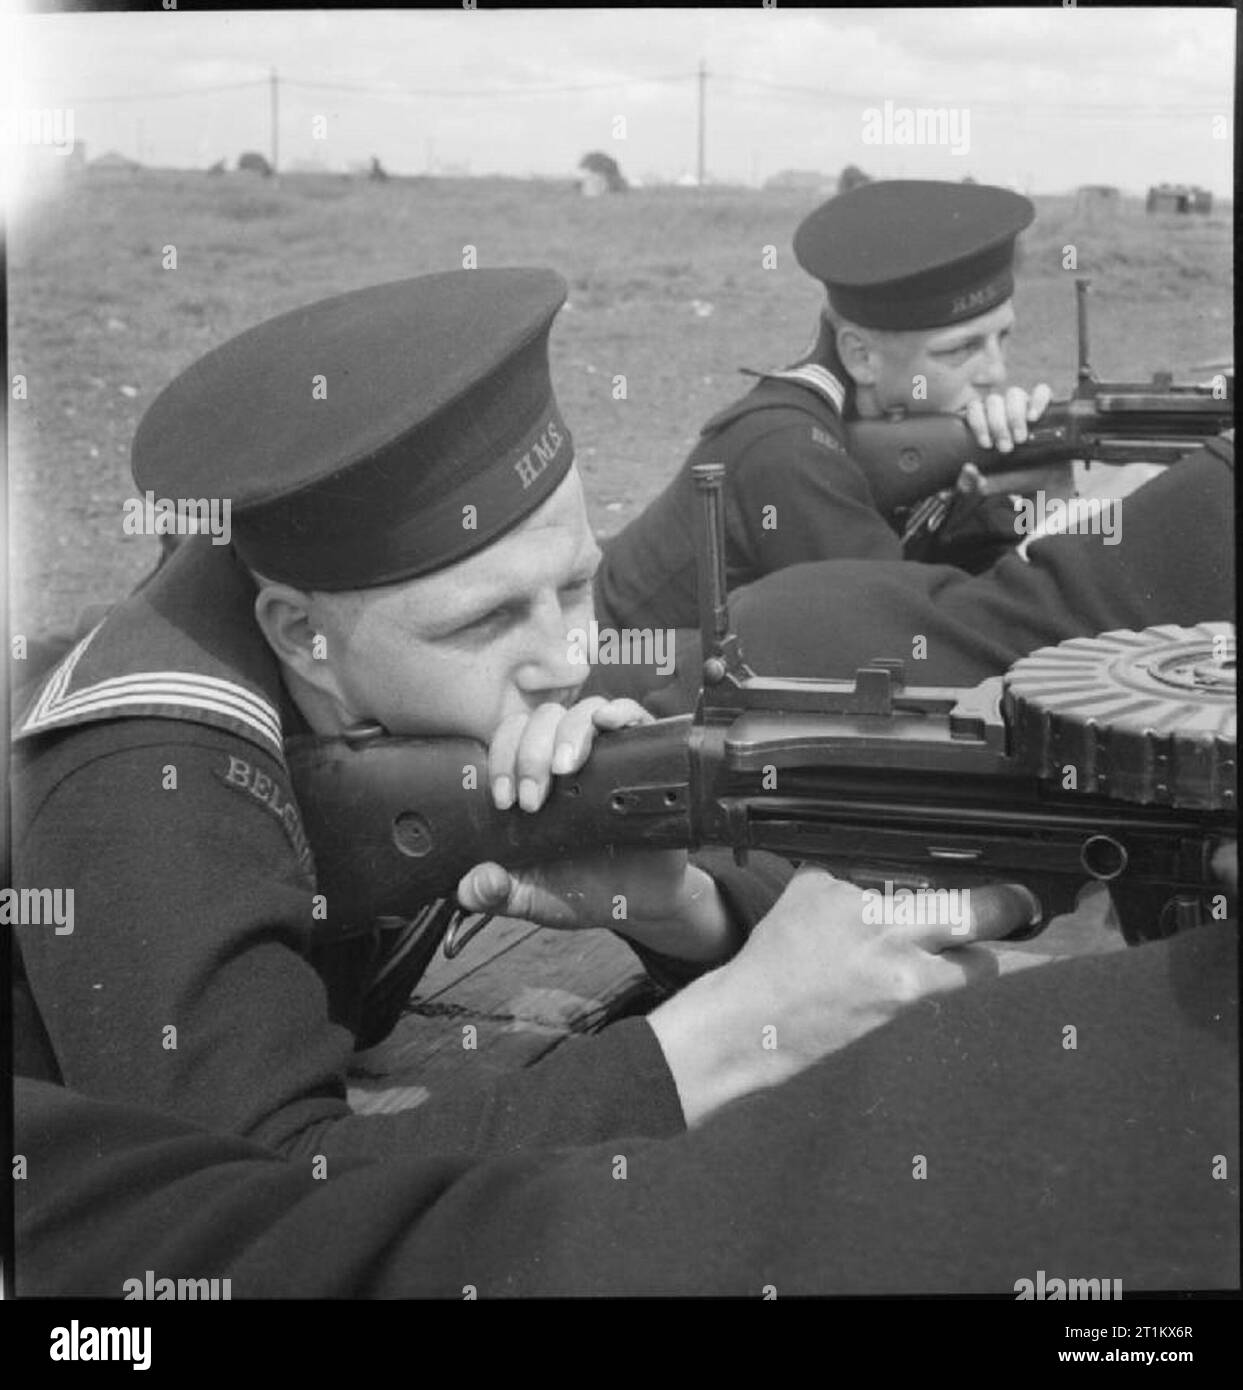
x=195 y=913
x=200 y=977
x=1116 y=1160
x=793 y=493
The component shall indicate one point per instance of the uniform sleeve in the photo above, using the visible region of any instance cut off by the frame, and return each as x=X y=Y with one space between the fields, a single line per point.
x=795 y=495
x=183 y=985
x=1098 y=1166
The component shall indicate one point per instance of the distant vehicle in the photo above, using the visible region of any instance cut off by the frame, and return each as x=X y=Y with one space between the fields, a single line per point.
x=1179 y=197
x=1094 y=198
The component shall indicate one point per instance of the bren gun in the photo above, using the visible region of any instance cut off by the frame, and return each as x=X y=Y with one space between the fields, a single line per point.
x=1108 y=758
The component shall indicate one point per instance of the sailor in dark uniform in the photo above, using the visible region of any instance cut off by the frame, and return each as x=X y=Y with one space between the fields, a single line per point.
x=919 y=278
x=961 y=1149
x=409 y=545
x=202 y=1028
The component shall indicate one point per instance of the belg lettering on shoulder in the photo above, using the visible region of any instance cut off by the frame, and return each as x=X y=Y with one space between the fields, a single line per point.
x=243 y=776
x=826 y=440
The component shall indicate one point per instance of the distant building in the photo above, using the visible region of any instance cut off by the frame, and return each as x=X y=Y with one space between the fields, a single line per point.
x=803 y=181
x=1096 y=200
x=1179 y=197
x=113 y=160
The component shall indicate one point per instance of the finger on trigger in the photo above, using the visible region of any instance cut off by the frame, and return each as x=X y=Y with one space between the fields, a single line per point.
x=998 y=909
x=961 y=916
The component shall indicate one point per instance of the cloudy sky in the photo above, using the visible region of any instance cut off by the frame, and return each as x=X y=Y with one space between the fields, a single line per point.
x=1046 y=98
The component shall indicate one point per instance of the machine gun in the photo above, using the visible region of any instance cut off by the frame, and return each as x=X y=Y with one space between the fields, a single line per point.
x=909 y=457
x=1109 y=758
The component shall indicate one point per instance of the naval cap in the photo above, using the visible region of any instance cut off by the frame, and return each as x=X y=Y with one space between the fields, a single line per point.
x=914 y=253
x=353 y=437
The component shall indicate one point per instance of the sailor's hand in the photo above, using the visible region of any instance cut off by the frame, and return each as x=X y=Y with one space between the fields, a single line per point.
x=816 y=974
x=655 y=897
x=1000 y=421
x=527 y=749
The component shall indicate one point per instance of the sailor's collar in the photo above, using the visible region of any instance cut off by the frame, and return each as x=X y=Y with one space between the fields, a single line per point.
x=183 y=646
x=820 y=370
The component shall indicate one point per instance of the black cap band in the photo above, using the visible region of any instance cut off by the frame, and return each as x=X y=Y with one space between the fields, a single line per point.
x=896 y=311
x=333 y=539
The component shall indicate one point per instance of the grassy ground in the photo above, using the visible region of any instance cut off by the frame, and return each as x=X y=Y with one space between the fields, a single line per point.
x=666 y=288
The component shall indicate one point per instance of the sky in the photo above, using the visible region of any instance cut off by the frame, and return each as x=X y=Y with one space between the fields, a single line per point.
x=1043 y=98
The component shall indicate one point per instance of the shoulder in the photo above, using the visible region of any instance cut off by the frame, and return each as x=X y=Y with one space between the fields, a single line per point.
x=776 y=402
x=778 y=420
x=160 y=778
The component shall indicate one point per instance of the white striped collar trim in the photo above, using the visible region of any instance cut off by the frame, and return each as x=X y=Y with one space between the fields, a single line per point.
x=151 y=691
x=819 y=379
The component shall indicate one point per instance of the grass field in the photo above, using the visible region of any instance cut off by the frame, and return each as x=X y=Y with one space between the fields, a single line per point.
x=666 y=288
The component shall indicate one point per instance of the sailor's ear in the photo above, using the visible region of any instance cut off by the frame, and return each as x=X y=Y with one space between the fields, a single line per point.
x=285 y=616
x=856 y=348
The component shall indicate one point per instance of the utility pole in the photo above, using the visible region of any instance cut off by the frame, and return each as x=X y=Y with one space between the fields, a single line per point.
x=273 y=121
x=703 y=83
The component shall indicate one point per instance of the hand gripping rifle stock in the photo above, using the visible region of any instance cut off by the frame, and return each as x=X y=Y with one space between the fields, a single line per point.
x=909 y=457
x=1108 y=759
